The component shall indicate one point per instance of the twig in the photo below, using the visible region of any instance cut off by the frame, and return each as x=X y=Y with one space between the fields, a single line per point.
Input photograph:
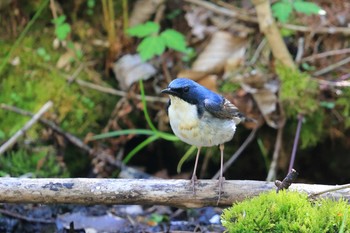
x=73 y=139
x=25 y=218
x=257 y=52
x=336 y=188
x=75 y=73
x=326 y=54
x=103 y=89
x=233 y=158
x=320 y=30
x=224 y=11
x=277 y=151
x=252 y=19
x=53 y=9
x=295 y=144
x=268 y=26
x=300 y=52
x=126 y=171
x=332 y=67
x=343 y=83
x=27 y=126
x=287 y=181
x=118 y=92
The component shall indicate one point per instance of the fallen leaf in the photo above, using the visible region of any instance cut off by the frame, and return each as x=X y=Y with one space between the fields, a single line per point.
x=220 y=49
x=143 y=10
x=130 y=69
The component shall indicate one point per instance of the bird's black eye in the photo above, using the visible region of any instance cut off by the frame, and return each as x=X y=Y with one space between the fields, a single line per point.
x=186 y=89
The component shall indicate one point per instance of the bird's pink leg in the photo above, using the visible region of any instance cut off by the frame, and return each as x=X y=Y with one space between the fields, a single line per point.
x=221 y=177
x=194 y=177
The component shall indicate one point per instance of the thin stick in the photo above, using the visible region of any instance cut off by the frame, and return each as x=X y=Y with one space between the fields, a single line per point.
x=27 y=126
x=300 y=52
x=332 y=67
x=326 y=54
x=127 y=171
x=73 y=139
x=253 y=19
x=273 y=166
x=336 y=188
x=117 y=92
x=295 y=144
x=233 y=158
x=258 y=52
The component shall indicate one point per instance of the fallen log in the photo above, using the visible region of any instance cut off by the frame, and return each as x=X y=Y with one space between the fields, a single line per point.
x=142 y=191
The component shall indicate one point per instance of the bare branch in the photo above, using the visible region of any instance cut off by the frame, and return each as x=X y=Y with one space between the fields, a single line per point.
x=27 y=126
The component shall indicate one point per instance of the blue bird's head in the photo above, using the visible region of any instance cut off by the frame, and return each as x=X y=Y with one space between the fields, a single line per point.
x=189 y=91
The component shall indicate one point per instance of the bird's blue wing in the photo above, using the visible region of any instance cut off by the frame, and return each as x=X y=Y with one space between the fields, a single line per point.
x=222 y=108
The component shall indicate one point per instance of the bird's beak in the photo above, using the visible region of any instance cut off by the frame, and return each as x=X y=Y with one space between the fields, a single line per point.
x=168 y=91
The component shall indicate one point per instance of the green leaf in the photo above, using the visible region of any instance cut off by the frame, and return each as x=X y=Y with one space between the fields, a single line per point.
x=59 y=20
x=327 y=104
x=62 y=31
x=282 y=10
x=307 y=8
x=143 y=30
x=174 y=40
x=139 y=147
x=2 y=134
x=151 y=46
x=185 y=157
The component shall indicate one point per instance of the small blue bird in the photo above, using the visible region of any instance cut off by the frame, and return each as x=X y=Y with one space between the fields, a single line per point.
x=201 y=118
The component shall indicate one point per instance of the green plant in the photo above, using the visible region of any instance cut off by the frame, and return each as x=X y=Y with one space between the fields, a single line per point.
x=299 y=94
x=287 y=212
x=13 y=48
x=91 y=5
x=43 y=53
x=41 y=163
x=155 y=43
x=62 y=29
x=153 y=133
x=282 y=9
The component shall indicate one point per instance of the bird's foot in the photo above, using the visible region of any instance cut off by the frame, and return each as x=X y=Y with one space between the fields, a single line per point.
x=193 y=183
x=221 y=183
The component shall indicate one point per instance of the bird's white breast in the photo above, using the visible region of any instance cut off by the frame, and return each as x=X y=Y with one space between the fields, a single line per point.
x=207 y=131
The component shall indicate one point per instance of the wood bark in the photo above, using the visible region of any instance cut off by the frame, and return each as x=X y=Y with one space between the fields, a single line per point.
x=268 y=26
x=137 y=191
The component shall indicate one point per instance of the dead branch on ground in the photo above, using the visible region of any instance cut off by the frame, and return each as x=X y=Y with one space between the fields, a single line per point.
x=139 y=191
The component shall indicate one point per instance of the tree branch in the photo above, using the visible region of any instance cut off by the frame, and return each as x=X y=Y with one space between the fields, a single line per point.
x=138 y=191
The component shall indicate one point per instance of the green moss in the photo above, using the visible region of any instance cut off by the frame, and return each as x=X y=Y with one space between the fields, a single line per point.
x=35 y=81
x=40 y=163
x=298 y=93
x=343 y=105
x=286 y=212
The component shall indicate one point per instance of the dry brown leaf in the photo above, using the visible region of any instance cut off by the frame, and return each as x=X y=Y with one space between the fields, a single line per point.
x=222 y=47
x=197 y=18
x=264 y=92
x=130 y=69
x=202 y=78
x=191 y=74
x=210 y=82
x=143 y=10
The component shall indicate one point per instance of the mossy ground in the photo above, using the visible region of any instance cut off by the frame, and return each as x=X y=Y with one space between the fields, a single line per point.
x=287 y=212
